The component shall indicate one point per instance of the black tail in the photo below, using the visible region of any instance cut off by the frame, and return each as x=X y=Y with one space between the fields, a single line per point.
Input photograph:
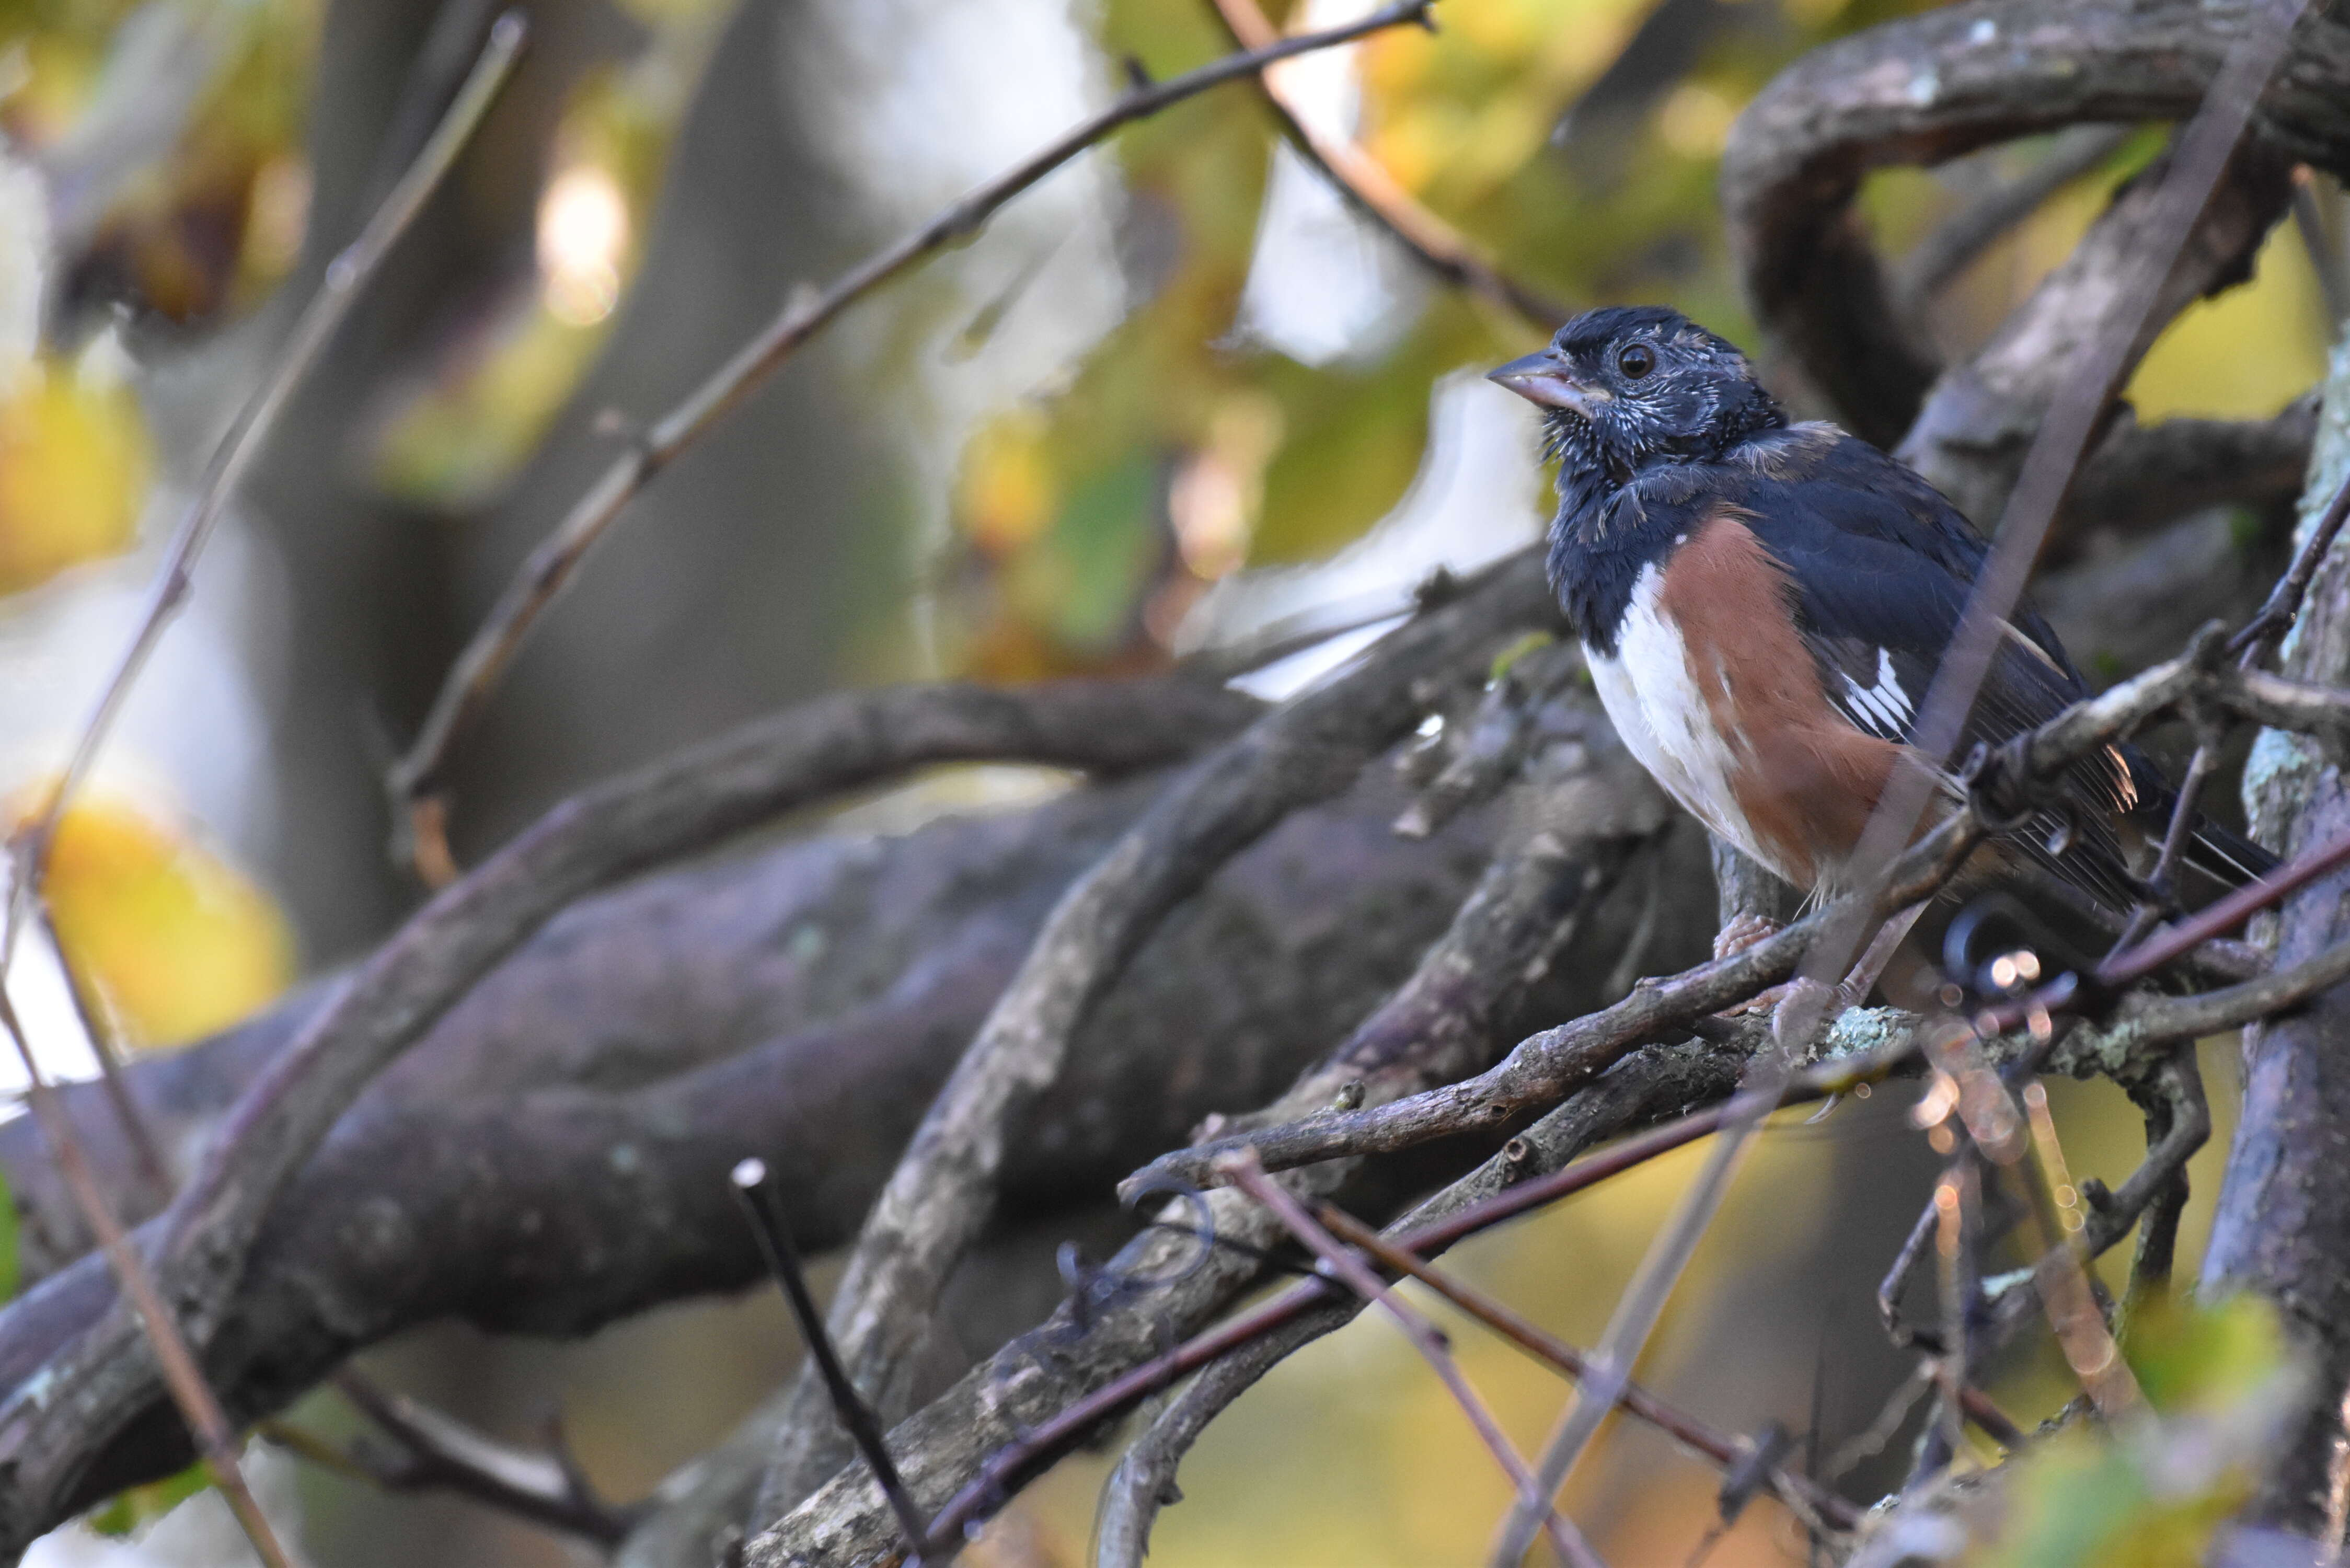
x=2228 y=859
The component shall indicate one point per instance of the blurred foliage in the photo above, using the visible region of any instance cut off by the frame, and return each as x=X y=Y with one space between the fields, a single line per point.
x=75 y=458
x=129 y=1511
x=172 y=135
x=1266 y=460
x=454 y=439
x=175 y=940
x=2151 y=1493
x=1528 y=126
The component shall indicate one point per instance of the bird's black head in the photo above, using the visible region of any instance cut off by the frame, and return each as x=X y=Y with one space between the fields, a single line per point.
x=1627 y=386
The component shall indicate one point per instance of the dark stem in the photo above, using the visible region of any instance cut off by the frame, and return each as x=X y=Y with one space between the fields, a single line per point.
x=775 y=1232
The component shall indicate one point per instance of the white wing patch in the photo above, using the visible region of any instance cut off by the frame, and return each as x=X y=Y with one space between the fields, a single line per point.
x=1883 y=707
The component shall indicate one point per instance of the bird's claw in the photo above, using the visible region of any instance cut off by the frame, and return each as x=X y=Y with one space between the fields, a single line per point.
x=1744 y=931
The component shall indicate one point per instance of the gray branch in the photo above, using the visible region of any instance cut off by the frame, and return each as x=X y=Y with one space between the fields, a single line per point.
x=1931 y=87
x=52 y=1427
x=936 y=1202
x=1532 y=911
x=554 y=1154
x=1971 y=433
x=2282 y=1222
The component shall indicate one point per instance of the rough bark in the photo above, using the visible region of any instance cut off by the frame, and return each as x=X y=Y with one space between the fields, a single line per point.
x=803 y=1003
x=1546 y=915
x=939 y=1199
x=2282 y=1223
x=1970 y=436
x=1931 y=87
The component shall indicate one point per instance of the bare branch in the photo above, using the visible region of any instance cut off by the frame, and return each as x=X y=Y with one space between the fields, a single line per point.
x=1367 y=185
x=1955 y=244
x=1798 y=1491
x=1933 y=87
x=1546 y=1068
x=2145 y=475
x=939 y=1198
x=2259 y=638
x=216 y=1439
x=96 y=1021
x=2281 y=1219
x=1251 y=1178
x=1971 y=436
x=417 y=776
x=686 y=804
x=1094 y=1344
x=436 y=1452
x=554 y=1154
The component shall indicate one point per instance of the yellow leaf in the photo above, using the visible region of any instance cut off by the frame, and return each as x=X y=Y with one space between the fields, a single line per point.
x=178 y=941
x=74 y=463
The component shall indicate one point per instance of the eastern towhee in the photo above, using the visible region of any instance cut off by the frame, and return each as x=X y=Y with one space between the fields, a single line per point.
x=1764 y=604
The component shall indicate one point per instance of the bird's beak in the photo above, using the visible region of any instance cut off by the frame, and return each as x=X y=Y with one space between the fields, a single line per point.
x=1543 y=377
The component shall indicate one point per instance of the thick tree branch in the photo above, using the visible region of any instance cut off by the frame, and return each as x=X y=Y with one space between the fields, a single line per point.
x=2282 y=1222
x=1970 y=436
x=2145 y=475
x=1933 y=87
x=937 y=1201
x=200 y=1245
x=1955 y=244
x=554 y=1154
x=1480 y=969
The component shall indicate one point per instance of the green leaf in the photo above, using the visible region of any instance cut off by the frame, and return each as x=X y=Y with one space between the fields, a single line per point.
x=142 y=1505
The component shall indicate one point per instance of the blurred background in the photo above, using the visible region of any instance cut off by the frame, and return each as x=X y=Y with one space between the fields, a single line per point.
x=1178 y=393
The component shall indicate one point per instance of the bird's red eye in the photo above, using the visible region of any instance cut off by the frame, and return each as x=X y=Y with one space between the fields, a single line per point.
x=1635 y=360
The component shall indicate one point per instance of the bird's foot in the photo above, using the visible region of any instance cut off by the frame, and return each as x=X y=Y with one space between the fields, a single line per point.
x=1742 y=932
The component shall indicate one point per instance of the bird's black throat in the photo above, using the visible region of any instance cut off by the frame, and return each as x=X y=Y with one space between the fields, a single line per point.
x=1607 y=531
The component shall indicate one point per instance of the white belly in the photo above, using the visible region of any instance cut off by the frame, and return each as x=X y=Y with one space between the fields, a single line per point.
x=1665 y=722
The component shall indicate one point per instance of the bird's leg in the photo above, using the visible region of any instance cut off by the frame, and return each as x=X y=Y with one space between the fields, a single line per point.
x=1746 y=929
x=1856 y=986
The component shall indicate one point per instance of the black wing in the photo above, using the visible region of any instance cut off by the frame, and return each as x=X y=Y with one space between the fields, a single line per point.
x=1882 y=565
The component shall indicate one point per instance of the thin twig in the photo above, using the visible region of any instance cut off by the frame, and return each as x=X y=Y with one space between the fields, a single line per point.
x=1366 y=184
x=855 y=1416
x=207 y=1422
x=2205 y=148
x=1952 y=246
x=1053 y=1436
x=1896 y=1280
x=91 y=1009
x=2249 y=647
x=550 y=566
x=1546 y=1068
x=2259 y=636
x=438 y=1452
x=1799 y=1490
x=347 y=276
x=1250 y=1177
x=1958 y=1202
